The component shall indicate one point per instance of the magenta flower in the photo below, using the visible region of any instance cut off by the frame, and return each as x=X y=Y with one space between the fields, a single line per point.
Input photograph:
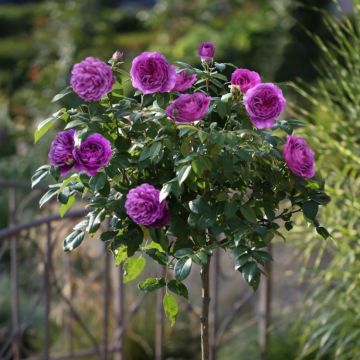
x=144 y=208
x=91 y=79
x=299 y=157
x=189 y=107
x=264 y=103
x=150 y=73
x=184 y=81
x=61 y=148
x=245 y=79
x=93 y=154
x=206 y=50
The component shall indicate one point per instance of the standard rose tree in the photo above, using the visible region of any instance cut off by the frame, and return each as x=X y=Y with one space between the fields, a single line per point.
x=186 y=164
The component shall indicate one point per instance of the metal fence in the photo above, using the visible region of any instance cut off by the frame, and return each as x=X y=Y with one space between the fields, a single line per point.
x=110 y=345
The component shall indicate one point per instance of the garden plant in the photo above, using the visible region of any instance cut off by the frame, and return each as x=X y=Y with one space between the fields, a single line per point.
x=189 y=163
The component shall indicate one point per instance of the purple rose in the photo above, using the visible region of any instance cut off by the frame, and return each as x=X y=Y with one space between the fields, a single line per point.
x=189 y=107
x=61 y=148
x=206 y=50
x=92 y=154
x=264 y=103
x=91 y=79
x=245 y=79
x=144 y=208
x=299 y=157
x=150 y=72
x=184 y=81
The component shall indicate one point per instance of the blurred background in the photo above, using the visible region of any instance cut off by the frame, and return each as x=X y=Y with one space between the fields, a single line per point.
x=75 y=306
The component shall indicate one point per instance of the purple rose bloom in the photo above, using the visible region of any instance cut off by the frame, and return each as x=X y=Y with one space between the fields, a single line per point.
x=184 y=81
x=92 y=154
x=61 y=148
x=206 y=50
x=299 y=157
x=150 y=72
x=189 y=107
x=144 y=208
x=91 y=79
x=264 y=103
x=245 y=79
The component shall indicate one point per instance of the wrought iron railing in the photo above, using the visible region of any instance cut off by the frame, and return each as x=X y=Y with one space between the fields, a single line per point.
x=111 y=343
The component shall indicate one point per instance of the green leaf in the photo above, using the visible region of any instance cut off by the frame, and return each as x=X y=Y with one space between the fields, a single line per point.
x=40 y=174
x=310 y=209
x=323 y=232
x=221 y=109
x=44 y=127
x=122 y=144
x=62 y=94
x=155 y=150
x=159 y=256
x=183 y=252
x=248 y=213
x=145 y=154
x=76 y=123
x=165 y=191
x=261 y=255
x=73 y=240
x=171 y=308
x=133 y=267
x=182 y=268
x=47 y=196
x=200 y=165
x=120 y=255
x=107 y=235
x=178 y=288
x=320 y=197
x=242 y=260
x=95 y=219
x=64 y=208
x=98 y=181
x=154 y=245
x=151 y=284
x=119 y=161
x=249 y=270
x=183 y=173
x=200 y=257
x=230 y=209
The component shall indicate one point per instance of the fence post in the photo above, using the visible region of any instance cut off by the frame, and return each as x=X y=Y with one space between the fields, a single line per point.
x=15 y=309
x=265 y=308
x=119 y=313
x=68 y=313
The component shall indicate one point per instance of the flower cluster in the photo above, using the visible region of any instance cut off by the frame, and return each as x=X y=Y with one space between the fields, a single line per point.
x=93 y=154
x=185 y=165
x=151 y=73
